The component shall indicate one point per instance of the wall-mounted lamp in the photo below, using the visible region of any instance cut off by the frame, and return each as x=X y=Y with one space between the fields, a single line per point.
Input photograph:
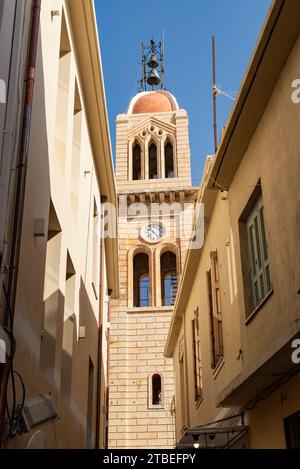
x=196 y=441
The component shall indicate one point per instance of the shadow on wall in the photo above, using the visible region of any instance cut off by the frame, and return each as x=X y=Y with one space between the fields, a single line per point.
x=49 y=355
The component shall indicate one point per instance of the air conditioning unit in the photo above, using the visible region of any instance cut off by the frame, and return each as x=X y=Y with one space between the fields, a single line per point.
x=38 y=410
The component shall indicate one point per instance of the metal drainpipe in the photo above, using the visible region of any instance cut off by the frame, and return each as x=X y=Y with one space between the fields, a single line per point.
x=100 y=326
x=187 y=405
x=19 y=197
x=107 y=370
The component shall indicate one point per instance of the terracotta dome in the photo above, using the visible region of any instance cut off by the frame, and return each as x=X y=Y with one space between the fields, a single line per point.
x=152 y=102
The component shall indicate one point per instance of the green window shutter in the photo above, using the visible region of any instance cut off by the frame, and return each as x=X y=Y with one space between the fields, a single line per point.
x=266 y=263
x=258 y=253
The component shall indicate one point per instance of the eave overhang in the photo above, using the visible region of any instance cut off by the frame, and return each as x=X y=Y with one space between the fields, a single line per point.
x=273 y=367
x=217 y=434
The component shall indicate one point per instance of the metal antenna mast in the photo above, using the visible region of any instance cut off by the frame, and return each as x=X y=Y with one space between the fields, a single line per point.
x=162 y=65
x=143 y=80
x=214 y=94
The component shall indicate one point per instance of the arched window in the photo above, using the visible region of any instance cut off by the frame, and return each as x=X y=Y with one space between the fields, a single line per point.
x=141 y=280
x=168 y=272
x=153 y=167
x=156 y=389
x=136 y=163
x=169 y=161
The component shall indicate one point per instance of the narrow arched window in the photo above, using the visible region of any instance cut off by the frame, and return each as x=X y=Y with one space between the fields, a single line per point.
x=169 y=161
x=168 y=272
x=144 y=290
x=141 y=280
x=156 y=390
x=136 y=163
x=153 y=167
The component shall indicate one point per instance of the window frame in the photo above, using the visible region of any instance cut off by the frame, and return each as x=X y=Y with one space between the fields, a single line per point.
x=254 y=204
x=172 y=273
x=215 y=311
x=166 y=143
x=197 y=365
x=155 y=144
x=136 y=283
x=136 y=144
x=258 y=256
x=161 y=405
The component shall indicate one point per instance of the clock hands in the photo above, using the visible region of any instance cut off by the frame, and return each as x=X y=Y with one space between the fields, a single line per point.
x=153 y=232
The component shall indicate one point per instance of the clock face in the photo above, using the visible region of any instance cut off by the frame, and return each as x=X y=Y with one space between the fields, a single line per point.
x=152 y=232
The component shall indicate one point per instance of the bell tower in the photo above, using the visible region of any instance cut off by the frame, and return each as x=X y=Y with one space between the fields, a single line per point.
x=156 y=203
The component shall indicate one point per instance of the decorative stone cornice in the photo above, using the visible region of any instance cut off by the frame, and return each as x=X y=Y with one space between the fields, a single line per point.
x=167 y=127
x=161 y=195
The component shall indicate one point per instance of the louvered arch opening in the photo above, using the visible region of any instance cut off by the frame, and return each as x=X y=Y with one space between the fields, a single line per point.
x=136 y=162
x=168 y=270
x=141 y=280
x=169 y=160
x=153 y=163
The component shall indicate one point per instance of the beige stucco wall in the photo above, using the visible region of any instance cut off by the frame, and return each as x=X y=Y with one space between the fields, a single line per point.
x=266 y=420
x=218 y=238
x=55 y=161
x=272 y=157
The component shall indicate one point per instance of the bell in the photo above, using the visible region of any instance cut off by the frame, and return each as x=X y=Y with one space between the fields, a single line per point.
x=153 y=78
x=152 y=62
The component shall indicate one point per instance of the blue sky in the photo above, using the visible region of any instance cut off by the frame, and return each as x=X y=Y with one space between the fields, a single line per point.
x=189 y=26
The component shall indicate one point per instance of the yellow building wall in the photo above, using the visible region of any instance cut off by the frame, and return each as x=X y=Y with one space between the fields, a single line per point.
x=266 y=419
x=272 y=158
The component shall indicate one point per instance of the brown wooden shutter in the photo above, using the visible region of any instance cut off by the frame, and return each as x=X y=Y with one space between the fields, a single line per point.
x=194 y=358
x=216 y=301
x=211 y=319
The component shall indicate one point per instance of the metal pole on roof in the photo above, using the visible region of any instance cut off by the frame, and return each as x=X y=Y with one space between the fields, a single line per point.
x=214 y=94
x=162 y=65
x=143 y=69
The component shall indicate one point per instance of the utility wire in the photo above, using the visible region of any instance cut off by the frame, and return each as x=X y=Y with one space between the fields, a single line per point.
x=15 y=414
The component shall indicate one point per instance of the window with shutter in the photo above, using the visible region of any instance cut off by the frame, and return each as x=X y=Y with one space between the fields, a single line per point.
x=258 y=253
x=211 y=320
x=168 y=273
x=215 y=312
x=197 y=355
